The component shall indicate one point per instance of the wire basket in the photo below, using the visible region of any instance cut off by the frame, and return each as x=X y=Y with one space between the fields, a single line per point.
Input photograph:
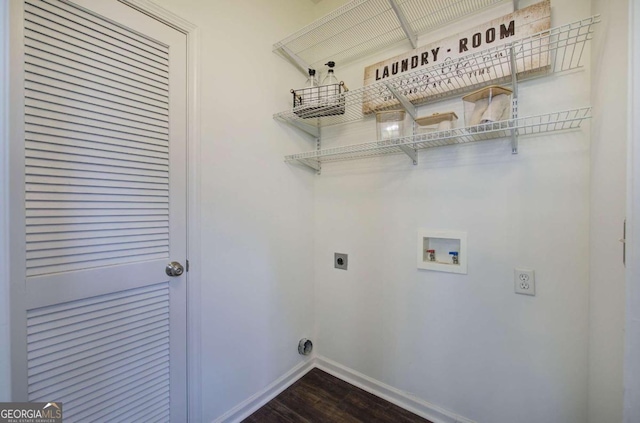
x=324 y=100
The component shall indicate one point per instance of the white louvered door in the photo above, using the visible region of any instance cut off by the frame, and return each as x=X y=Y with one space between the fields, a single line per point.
x=105 y=211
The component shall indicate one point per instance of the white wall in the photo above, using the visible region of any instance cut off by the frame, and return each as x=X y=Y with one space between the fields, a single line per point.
x=5 y=364
x=608 y=181
x=257 y=212
x=466 y=343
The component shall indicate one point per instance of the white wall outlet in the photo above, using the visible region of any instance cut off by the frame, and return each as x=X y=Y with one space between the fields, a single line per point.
x=524 y=281
x=340 y=261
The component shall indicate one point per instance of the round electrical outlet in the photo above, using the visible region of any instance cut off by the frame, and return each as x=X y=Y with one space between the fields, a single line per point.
x=524 y=277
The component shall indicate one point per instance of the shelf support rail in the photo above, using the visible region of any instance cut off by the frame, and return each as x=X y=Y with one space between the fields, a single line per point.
x=404 y=23
x=300 y=64
x=514 y=100
x=411 y=109
x=318 y=162
x=404 y=101
x=412 y=153
x=314 y=131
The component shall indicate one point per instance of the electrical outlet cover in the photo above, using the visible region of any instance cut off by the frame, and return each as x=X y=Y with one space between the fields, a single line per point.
x=340 y=261
x=524 y=281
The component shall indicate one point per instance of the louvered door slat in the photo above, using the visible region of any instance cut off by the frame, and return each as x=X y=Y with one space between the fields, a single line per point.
x=89 y=189
x=63 y=89
x=91 y=123
x=117 y=328
x=79 y=176
x=93 y=381
x=83 y=162
x=82 y=129
x=111 y=145
x=41 y=221
x=60 y=180
x=92 y=86
x=137 y=399
x=121 y=391
x=104 y=236
x=61 y=97
x=97 y=114
x=71 y=139
x=69 y=63
x=41 y=21
x=114 y=32
x=70 y=372
x=50 y=134
x=99 y=205
x=71 y=368
x=88 y=243
x=57 y=20
x=45 y=388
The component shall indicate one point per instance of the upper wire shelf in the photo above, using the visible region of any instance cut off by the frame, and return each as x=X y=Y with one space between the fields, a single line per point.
x=530 y=125
x=361 y=27
x=556 y=50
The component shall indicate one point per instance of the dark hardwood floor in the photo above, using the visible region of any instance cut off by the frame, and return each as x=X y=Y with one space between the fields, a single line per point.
x=320 y=397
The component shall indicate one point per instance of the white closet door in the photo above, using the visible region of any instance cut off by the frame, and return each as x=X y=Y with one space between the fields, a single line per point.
x=105 y=211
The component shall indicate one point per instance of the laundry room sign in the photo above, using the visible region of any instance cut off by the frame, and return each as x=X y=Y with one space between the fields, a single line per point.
x=448 y=66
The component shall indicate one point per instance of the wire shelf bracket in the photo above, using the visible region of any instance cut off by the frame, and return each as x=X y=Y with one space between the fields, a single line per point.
x=404 y=23
x=299 y=64
x=404 y=101
x=312 y=130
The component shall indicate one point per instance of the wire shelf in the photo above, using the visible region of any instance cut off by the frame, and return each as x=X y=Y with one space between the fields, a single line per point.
x=361 y=27
x=550 y=122
x=559 y=49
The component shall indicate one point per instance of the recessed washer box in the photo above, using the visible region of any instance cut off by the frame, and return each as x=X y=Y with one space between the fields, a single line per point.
x=442 y=251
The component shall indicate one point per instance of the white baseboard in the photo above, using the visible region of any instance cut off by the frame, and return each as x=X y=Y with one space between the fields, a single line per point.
x=252 y=404
x=395 y=396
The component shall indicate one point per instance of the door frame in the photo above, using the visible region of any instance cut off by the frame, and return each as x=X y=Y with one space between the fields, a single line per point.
x=632 y=326
x=11 y=183
x=5 y=333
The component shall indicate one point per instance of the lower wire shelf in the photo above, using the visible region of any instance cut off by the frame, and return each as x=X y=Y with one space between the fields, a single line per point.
x=529 y=125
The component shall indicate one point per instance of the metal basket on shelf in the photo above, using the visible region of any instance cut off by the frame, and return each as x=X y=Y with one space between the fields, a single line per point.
x=324 y=100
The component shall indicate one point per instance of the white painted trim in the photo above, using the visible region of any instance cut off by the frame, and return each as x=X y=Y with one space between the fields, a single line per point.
x=632 y=324
x=252 y=404
x=395 y=396
x=17 y=241
x=194 y=277
x=5 y=336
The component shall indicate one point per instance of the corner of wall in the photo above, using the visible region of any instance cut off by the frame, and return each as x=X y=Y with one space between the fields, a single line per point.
x=607 y=205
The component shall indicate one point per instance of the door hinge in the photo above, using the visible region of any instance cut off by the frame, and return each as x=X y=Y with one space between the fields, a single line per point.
x=187 y=265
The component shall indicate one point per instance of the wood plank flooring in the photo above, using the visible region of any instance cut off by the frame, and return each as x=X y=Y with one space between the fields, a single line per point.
x=320 y=397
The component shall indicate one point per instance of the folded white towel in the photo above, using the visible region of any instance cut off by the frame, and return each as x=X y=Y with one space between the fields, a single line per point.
x=496 y=109
x=506 y=114
x=478 y=110
x=444 y=125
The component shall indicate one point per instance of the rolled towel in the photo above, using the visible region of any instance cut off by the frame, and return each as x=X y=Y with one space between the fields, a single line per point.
x=444 y=125
x=506 y=114
x=478 y=110
x=496 y=108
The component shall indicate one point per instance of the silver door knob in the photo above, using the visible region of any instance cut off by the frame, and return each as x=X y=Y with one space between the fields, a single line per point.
x=174 y=269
